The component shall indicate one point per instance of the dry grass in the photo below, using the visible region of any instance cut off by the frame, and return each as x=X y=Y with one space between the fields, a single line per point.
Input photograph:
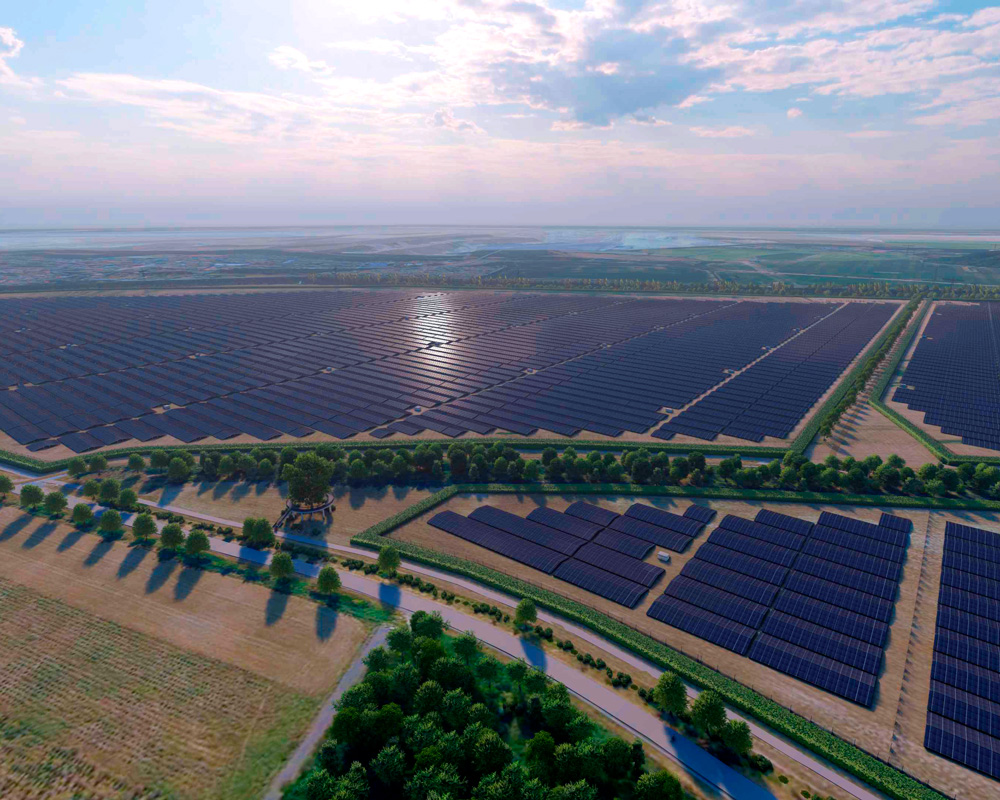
x=122 y=676
x=892 y=729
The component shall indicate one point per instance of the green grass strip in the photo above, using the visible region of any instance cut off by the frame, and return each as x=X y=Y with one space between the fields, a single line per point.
x=827 y=745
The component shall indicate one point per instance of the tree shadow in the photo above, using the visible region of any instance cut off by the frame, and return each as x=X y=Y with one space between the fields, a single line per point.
x=134 y=557
x=39 y=535
x=70 y=539
x=99 y=551
x=221 y=489
x=12 y=529
x=159 y=575
x=169 y=493
x=186 y=582
x=326 y=621
x=533 y=654
x=276 y=605
x=241 y=490
x=389 y=594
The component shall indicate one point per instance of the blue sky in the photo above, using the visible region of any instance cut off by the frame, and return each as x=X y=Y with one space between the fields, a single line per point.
x=509 y=111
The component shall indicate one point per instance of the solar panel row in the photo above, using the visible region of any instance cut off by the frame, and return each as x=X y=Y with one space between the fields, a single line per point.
x=963 y=723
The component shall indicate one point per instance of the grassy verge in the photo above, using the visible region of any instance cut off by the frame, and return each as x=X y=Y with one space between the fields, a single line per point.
x=875 y=354
x=827 y=745
x=939 y=450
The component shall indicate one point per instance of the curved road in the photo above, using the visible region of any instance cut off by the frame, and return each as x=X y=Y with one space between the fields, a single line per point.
x=630 y=716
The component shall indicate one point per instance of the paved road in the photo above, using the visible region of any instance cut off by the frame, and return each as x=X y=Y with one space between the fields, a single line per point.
x=683 y=751
x=297 y=761
x=780 y=743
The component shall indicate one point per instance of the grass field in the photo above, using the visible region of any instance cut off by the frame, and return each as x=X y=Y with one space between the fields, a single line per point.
x=122 y=676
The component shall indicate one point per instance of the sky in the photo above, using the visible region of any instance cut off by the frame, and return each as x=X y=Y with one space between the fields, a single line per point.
x=616 y=112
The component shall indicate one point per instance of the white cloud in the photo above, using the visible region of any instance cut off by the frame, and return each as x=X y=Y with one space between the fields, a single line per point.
x=693 y=100
x=10 y=48
x=871 y=134
x=445 y=118
x=729 y=132
x=794 y=113
x=287 y=57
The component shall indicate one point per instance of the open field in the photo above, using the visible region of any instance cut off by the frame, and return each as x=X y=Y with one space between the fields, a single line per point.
x=892 y=729
x=122 y=671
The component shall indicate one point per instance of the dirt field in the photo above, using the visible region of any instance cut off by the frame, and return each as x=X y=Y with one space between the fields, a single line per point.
x=357 y=508
x=121 y=671
x=892 y=729
x=864 y=431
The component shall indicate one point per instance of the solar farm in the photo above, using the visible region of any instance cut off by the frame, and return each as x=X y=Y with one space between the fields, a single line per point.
x=950 y=381
x=89 y=372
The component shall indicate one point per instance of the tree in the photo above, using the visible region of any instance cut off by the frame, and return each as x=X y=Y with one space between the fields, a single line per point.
x=708 y=712
x=388 y=558
x=31 y=496
x=143 y=526
x=400 y=640
x=159 y=459
x=265 y=469
x=127 y=499
x=287 y=455
x=467 y=647
x=178 y=470
x=54 y=503
x=488 y=669
x=196 y=544
x=320 y=786
x=6 y=486
x=389 y=766
x=328 y=580
x=308 y=478
x=136 y=463
x=736 y=736
x=111 y=521
x=525 y=614
x=110 y=489
x=282 y=567
x=82 y=515
x=98 y=463
x=671 y=694
x=429 y=625
x=92 y=489
x=227 y=466
x=660 y=785
x=257 y=532
x=172 y=536
x=76 y=467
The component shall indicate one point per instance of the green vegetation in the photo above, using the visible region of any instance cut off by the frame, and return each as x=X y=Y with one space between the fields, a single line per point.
x=824 y=743
x=435 y=718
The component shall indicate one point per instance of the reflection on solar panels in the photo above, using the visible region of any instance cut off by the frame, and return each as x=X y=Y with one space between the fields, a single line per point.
x=806 y=606
x=963 y=708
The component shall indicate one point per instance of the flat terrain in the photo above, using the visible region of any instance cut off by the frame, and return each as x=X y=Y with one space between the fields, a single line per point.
x=892 y=729
x=122 y=671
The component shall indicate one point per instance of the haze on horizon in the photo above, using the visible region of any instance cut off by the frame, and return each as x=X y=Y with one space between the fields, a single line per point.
x=555 y=112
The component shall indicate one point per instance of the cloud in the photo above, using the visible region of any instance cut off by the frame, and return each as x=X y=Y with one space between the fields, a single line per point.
x=445 y=118
x=871 y=134
x=10 y=48
x=287 y=57
x=794 y=113
x=693 y=100
x=729 y=132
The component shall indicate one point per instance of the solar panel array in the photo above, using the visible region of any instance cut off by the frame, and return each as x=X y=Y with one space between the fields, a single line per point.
x=952 y=375
x=963 y=708
x=795 y=596
x=774 y=394
x=87 y=372
x=582 y=545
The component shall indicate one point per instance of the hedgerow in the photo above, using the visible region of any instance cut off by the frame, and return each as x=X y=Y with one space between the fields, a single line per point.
x=858 y=762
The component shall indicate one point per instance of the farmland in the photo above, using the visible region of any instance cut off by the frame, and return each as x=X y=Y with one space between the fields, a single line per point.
x=124 y=675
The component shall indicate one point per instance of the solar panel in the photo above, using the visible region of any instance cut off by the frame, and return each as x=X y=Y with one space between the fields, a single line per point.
x=968 y=709
x=720 y=602
x=678 y=542
x=541 y=558
x=618 y=590
x=730 y=581
x=888 y=520
x=840 y=596
x=591 y=513
x=564 y=522
x=623 y=543
x=619 y=564
x=826 y=673
x=701 y=623
x=783 y=521
x=524 y=529
x=838 y=646
x=702 y=514
x=665 y=519
x=748 y=565
x=963 y=744
x=833 y=618
x=753 y=547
